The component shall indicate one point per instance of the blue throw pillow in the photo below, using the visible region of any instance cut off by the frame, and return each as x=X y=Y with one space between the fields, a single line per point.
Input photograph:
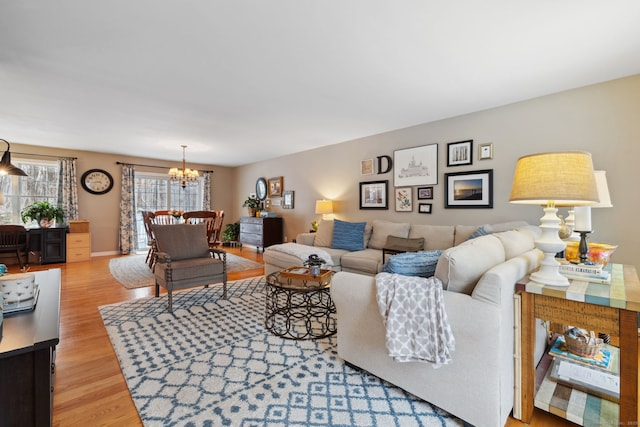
x=348 y=235
x=421 y=264
x=479 y=232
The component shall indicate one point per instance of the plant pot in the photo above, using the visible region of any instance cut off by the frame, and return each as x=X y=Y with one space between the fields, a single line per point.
x=315 y=270
x=46 y=223
x=252 y=212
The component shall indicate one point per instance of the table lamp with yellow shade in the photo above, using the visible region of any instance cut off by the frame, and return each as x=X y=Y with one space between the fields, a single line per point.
x=553 y=179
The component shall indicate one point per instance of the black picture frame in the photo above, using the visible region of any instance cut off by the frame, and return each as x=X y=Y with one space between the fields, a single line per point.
x=460 y=153
x=471 y=189
x=374 y=195
x=425 y=193
x=424 y=208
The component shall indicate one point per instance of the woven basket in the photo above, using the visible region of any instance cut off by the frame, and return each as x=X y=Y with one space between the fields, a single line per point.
x=583 y=349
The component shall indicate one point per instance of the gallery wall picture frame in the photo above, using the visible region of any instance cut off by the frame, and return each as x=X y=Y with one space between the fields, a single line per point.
x=415 y=166
x=275 y=186
x=425 y=193
x=485 y=151
x=374 y=195
x=471 y=189
x=366 y=167
x=460 y=153
x=424 y=208
x=287 y=199
x=404 y=202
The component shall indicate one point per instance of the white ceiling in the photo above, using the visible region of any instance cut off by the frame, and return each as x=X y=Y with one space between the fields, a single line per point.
x=241 y=81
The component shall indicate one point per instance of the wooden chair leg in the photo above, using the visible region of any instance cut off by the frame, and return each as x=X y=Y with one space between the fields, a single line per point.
x=170 y=301
x=157 y=290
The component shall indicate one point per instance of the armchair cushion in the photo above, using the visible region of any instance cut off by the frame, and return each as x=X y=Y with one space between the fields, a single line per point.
x=193 y=269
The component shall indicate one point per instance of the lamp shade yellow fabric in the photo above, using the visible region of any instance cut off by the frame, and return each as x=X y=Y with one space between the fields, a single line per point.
x=563 y=178
x=324 y=206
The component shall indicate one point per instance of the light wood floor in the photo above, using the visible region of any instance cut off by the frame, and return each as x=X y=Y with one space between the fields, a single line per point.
x=89 y=387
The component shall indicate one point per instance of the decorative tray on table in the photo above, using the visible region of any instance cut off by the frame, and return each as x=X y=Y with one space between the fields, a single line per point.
x=22 y=306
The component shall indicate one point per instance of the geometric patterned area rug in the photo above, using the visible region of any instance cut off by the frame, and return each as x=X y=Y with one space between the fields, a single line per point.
x=132 y=271
x=213 y=363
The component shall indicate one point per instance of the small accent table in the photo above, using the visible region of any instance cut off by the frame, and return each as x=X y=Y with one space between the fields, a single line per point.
x=611 y=309
x=299 y=306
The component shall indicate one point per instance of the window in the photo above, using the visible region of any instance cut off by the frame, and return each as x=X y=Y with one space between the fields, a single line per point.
x=156 y=192
x=40 y=184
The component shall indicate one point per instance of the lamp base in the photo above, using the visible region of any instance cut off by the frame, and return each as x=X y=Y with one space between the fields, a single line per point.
x=549 y=273
x=550 y=244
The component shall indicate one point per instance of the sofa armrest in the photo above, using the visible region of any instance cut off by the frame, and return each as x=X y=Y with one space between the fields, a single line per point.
x=306 y=238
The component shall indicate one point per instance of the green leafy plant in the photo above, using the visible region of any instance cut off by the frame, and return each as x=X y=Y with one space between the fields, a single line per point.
x=231 y=232
x=38 y=211
x=251 y=202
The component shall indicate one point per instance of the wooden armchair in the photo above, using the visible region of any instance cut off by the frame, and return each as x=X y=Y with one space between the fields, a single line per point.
x=185 y=260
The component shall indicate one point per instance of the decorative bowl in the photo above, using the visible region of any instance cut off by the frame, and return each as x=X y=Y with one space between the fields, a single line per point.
x=599 y=253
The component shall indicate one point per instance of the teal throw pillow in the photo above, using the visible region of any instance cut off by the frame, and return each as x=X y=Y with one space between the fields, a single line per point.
x=421 y=264
x=479 y=232
x=348 y=235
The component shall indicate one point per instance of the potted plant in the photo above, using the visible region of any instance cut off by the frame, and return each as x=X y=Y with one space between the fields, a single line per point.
x=314 y=262
x=44 y=213
x=252 y=203
x=231 y=232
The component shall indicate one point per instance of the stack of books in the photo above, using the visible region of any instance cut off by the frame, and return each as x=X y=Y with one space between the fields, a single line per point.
x=599 y=375
x=586 y=272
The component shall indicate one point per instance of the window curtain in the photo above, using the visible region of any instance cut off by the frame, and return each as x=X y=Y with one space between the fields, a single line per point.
x=128 y=230
x=67 y=188
x=206 y=197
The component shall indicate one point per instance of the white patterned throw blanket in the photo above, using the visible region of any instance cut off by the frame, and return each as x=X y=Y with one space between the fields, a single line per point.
x=302 y=251
x=412 y=310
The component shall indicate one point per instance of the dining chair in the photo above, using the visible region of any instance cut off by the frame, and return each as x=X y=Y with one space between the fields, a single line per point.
x=13 y=238
x=147 y=217
x=162 y=217
x=214 y=237
x=208 y=217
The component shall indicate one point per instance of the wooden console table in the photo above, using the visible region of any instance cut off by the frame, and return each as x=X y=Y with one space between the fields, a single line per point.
x=611 y=309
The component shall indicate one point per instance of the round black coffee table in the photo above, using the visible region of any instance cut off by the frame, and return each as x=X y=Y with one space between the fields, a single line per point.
x=299 y=308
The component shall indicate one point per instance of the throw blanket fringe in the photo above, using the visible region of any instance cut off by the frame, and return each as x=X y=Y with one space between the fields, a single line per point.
x=413 y=313
x=302 y=251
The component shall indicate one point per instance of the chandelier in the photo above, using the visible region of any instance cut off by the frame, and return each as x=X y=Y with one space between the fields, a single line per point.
x=185 y=175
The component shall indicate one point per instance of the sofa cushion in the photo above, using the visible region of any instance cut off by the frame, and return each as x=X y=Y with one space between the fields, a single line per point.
x=435 y=236
x=382 y=229
x=324 y=234
x=367 y=261
x=515 y=242
x=460 y=267
x=348 y=235
x=421 y=264
x=404 y=243
x=463 y=232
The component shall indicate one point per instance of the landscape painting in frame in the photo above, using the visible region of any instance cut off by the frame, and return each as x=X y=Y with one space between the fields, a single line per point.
x=473 y=189
x=374 y=195
x=415 y=166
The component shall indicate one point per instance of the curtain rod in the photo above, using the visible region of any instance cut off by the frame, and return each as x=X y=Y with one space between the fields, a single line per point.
x=44 y=155
x=150 y=166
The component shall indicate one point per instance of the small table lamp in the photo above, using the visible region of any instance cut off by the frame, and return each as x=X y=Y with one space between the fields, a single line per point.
x=550 y=179
x=324 y=207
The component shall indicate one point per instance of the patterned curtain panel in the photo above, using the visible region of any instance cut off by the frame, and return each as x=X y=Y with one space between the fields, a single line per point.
x=128 y=230
x=206 y=197
x=67 y=188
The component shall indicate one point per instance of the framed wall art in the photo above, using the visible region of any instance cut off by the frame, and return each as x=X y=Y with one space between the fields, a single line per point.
x=424 y=208
x=366 y=167
x=415 y=166
x=425 y=193
x=460 y=153
x=374 y=195
x=287 y=199
x=403 y=199
x=472 y=189
x=275 y=186
x=485 y=151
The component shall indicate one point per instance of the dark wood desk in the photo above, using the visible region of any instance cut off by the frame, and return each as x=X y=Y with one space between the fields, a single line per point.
x=27 y=357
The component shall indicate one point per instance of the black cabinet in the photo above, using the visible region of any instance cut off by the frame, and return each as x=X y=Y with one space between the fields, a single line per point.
x=50 y=243
x=260 y=232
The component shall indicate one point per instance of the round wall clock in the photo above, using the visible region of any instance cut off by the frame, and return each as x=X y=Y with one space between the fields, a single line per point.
x=97 y=181
x=261 y=189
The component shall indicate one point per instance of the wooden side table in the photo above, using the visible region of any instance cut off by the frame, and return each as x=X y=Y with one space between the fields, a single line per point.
x=611 y=309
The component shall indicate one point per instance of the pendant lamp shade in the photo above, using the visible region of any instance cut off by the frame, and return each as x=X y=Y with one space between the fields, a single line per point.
x=6 y=168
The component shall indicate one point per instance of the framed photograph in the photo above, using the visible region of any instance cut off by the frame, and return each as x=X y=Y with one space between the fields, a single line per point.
x=403 y=199
x=287 y=199
x=366 y=167
x=374 y=195
x=425 y=193
x=275 y=186
x=424 y=208
x=485 y=151
x=473 y=189
x=460 y=153
x=415 y=166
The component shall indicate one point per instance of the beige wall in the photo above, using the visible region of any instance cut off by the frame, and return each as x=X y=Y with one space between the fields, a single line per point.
x=103 y=211
x=601 y=119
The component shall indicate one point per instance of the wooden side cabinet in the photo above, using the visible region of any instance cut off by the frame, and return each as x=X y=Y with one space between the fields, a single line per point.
x=78 y=247
x=50 y=243
x=27 y=358
x=260 y=232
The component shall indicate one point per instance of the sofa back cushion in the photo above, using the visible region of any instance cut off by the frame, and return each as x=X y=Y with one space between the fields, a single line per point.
x=435 y=236
x=463 y=232
x=460 y=267
x=515 y=242
x=348 y=235
x=324 y=234
x=382 y=229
